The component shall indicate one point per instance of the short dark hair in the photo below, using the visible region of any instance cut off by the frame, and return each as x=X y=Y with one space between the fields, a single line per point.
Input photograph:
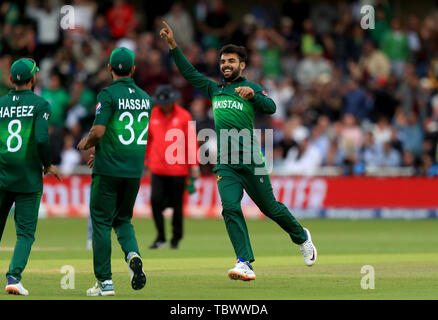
x=22 y=82
x=232 y=48
x=121 y=73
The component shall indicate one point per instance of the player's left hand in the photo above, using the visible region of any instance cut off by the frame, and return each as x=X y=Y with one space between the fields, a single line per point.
x=245 y=92
x=81 y=144
x=90 y=161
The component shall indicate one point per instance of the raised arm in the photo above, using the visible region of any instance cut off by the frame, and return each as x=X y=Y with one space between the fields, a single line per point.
x=188 y=71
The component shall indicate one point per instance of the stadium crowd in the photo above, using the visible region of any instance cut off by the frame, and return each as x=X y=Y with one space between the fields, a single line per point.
x=346 y=97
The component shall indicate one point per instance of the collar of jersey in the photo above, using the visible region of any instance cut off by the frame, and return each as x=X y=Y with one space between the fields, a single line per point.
x=123 y=80
x=13 y=91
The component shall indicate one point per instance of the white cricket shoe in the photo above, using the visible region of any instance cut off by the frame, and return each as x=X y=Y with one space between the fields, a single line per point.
x=308 y=250
x=15 y=287
x=104 y=288
x=242 y=271
x=136 y=272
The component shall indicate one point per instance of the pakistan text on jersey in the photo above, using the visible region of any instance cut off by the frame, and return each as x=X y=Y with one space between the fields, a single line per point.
x=230 y=104
x=134 y=104
x=16 y=111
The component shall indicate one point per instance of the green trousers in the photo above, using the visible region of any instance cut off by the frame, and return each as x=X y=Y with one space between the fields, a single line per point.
x=112 y=201
x=231 y=183
x=26 y=218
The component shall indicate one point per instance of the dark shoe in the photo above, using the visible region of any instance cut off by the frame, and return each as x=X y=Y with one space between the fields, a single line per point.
x=158 y=244
x=174 y=244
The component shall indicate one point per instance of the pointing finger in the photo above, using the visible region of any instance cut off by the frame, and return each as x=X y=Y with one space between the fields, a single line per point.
x=166 y=26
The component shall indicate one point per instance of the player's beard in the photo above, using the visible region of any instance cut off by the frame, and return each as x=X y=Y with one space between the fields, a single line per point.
x=233 y=76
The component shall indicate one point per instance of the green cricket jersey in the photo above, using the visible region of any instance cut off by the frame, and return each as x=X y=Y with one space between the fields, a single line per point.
x=125 y=110
x=24 y=141
x=233 y=115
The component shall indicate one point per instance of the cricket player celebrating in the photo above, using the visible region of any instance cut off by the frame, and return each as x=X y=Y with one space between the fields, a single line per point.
x=119 y=134
x=24 y=156
x=234 y=104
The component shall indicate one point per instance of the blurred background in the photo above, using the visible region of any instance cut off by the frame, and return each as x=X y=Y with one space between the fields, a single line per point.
x=350 y=99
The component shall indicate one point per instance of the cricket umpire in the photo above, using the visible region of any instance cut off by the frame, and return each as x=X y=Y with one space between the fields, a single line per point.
x=171 y=159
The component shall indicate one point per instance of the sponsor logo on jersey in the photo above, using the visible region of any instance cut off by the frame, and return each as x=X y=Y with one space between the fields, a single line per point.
x=98 y=107
x=228 y=104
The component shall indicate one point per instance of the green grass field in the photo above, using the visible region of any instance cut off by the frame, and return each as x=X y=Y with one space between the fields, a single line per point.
x=404 y=256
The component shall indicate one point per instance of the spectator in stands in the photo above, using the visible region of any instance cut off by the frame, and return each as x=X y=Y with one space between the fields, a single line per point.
x=312 y=67
x=381 y=24
x=5 y=62
x=410 y=132
x=82 y=102
x=395 y=45
x=384 y=99
x=303 y=159
x=217 y=26
x=431 y=121
x=244 y=31
x=428 y=167
x=87 y=52
x=335 y=156
x=100 y=30
x=47 y=18
x=84 y=13
x=208 y=65
x=323 y=15
x=254 y=71
x=270 y=45
x=356 y=101
x=59 y=100
x=182 y=23
x=152 y=73
x=319 y=137
x=373 y=62
x=351 y=135
x=389 y=156
x=409 y=161
x=288 y=32
x=198 y=110
x=369 y=153
x=308 y=38
x=382 y=130
x=70 y=156
x=121 y=18
x=408 y=89
x=281 y=92
x=265 y=13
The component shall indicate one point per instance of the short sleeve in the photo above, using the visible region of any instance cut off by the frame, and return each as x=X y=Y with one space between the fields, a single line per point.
x=104 y=108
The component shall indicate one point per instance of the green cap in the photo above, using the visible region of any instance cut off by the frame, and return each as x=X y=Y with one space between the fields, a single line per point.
x=23 y=69
x=122 y=59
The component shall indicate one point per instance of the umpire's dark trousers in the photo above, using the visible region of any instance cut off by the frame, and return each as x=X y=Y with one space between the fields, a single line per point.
x=167 y=192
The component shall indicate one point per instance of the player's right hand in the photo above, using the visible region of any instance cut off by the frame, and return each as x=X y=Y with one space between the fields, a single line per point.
x=52 y=170
x=166 y=33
